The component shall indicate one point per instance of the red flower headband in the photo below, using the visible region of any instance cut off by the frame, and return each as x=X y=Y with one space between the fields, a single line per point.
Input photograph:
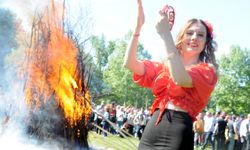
x=210 y=28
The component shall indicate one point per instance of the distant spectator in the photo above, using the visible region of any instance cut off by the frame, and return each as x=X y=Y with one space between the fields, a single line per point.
x=113 y=116
x=98 y=119
x=209 y=123
x=198 y=128
x=105 y=124
x=230 y=132
x=219 y=132
x=245 y=133
x=238 y=144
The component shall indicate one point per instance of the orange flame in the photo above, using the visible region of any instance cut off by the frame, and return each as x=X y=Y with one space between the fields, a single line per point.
x=52 y=69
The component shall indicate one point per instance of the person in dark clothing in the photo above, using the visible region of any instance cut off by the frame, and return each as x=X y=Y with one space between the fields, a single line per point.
x=112 y=117
x=230 y=133
x=219 y=133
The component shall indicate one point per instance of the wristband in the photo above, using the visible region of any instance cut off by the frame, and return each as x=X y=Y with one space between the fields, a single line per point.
x=136 y=34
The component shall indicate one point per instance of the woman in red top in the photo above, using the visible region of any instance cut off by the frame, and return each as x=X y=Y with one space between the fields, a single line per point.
x=181 y=84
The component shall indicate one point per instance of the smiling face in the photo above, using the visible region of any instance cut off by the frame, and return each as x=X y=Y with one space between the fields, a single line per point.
x=194 y=39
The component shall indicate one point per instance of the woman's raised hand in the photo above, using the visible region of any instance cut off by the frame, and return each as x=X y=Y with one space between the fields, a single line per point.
x=140 y=17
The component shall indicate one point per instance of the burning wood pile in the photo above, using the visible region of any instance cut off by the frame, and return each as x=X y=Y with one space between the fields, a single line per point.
x=56 y=83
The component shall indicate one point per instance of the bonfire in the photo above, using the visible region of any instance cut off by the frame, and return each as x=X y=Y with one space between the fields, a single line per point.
x=56 y=82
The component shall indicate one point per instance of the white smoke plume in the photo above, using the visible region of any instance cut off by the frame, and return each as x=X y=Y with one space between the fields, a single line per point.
x=13 y=110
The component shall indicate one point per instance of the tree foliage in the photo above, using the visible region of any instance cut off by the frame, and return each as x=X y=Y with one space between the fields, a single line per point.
x=101 y=52
x=118 y=80
x=233 y=89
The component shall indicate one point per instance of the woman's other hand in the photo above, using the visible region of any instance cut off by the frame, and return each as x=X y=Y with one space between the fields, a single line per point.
x=163 y=26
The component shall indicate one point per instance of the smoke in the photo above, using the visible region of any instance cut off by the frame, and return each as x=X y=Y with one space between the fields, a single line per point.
x=14 y=122
x=12 y=138
x=14 y=112
x=24 y=7
x=12 y=115
x=13 y=109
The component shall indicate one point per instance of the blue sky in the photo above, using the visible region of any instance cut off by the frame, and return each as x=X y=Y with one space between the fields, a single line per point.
x=230 y=19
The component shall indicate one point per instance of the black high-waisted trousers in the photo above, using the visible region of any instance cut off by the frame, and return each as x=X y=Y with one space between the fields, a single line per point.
x=174 y=132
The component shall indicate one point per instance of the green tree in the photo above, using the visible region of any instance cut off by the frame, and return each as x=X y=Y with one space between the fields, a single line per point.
x=101 y=52
x=233 y=89
x=120 y=81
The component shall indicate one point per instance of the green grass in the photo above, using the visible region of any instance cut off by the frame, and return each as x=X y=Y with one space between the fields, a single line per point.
x=112 y=142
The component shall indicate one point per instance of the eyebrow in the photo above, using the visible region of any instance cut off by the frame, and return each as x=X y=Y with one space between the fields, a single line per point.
x=194 y=30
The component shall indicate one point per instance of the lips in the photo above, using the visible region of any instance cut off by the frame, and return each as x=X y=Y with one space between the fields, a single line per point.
x=193 y=45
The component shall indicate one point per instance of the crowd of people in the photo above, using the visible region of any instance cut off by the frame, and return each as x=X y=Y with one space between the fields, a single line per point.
x=115 y=119
x=222 y=131
x=216 y=130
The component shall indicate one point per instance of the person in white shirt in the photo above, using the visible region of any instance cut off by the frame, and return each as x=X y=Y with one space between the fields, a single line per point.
x=119 y=116
x=245 y=133
x=209 y=122
x=98 y=119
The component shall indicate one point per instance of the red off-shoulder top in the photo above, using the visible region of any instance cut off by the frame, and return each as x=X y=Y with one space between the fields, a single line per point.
x=193 y=100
